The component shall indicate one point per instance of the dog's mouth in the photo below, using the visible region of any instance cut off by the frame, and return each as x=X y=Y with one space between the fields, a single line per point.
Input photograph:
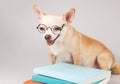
x=51 y=42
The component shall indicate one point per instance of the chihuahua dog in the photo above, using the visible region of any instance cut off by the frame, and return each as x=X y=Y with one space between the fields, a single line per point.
x=68 y=45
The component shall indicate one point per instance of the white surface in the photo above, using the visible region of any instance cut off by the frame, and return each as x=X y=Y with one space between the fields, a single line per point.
x=22 y=47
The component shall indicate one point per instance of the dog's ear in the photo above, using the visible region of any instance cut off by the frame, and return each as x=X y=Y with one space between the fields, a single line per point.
x=69 y=15
x=39 y=13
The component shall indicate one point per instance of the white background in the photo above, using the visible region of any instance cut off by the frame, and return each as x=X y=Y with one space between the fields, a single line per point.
x=22 y=47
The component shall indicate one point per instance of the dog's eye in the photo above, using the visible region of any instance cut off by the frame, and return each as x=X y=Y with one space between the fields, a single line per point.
x=42 y=28
x=56 y=29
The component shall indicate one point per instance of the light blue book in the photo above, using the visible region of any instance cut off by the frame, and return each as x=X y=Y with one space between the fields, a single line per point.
x=73 y=73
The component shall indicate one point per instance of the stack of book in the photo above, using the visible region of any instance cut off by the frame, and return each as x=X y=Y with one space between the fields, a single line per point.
x=64 y=73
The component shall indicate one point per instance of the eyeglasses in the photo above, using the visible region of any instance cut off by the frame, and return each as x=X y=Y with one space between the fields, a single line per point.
x=55 y=29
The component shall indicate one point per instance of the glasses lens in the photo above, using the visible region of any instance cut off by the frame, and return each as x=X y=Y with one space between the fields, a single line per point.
x=41 y=28
x=56 y=29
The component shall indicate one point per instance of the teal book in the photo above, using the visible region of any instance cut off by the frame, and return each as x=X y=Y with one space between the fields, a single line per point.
x=51 y=80
x=73 y=73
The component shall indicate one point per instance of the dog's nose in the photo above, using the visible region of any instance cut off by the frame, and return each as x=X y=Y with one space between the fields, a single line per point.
x=47 y=37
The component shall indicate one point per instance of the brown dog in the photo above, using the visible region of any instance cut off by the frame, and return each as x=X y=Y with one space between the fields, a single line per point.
x=68 y=45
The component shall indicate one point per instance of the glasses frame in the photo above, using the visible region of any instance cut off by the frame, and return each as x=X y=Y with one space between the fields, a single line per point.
x=51 y=28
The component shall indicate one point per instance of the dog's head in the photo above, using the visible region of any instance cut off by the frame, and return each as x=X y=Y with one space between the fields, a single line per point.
x=53 y=27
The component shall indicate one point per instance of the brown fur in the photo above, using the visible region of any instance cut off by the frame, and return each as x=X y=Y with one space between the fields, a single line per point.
x=115 y=68
x=91 y=49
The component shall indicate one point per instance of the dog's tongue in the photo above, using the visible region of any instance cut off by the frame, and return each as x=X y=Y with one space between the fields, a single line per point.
x=50 y=42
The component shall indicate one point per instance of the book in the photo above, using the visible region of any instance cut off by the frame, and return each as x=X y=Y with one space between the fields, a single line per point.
x=31 y=82
x=73 y=73
x=51 y=80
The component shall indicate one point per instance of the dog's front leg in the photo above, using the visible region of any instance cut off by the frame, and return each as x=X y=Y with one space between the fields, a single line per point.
x=76 y=57
x=52 y=58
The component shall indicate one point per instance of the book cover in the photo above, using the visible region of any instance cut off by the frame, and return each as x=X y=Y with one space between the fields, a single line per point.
x=73 y=73
x=50 y=80
x=31 y=82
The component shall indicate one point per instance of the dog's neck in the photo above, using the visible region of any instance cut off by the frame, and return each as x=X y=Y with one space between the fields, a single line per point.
x=69 y=34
